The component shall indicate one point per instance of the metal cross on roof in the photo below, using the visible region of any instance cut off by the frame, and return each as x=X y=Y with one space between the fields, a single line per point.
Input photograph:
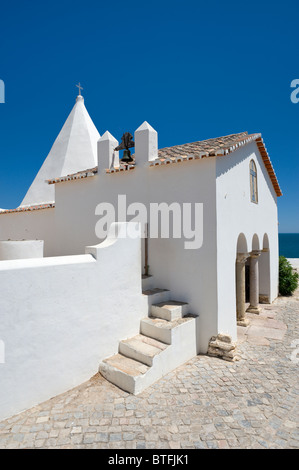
x=80 y=88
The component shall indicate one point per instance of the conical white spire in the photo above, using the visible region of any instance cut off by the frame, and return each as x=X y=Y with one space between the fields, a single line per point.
x=75 y=149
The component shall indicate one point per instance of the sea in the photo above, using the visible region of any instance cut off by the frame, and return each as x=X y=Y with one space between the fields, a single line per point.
x=289 y=245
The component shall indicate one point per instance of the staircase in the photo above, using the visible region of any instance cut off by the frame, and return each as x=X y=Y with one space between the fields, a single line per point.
x=167 y=339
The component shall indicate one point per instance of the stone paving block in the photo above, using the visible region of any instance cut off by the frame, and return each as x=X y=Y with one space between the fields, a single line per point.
x=270 y=333
x=206 y=403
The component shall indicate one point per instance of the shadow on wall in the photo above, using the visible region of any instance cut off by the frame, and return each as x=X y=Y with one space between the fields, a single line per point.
x=227 y=162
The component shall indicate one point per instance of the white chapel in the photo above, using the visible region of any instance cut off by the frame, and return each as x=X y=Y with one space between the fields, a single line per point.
x=73 y=303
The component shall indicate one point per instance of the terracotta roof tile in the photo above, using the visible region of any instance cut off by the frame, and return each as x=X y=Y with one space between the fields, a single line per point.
x=35 y=207
x=121 y=168
x=74 y=176
x=215 y=147
x=206 y=148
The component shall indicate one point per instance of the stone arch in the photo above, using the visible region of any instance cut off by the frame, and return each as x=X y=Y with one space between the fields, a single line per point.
x=255 y=245
x=242 y=245
x=266 y=241
x=264 y=272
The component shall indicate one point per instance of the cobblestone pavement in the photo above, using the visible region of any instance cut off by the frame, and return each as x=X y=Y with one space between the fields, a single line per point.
x=206 y=403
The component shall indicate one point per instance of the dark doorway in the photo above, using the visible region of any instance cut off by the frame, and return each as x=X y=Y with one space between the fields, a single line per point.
x=247 y=283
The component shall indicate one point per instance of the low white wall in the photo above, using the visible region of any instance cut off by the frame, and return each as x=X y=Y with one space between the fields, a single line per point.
x=31 y=225
x=60 y=316
x=21 y=249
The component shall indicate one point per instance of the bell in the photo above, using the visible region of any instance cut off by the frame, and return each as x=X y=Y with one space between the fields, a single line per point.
x=127 y=157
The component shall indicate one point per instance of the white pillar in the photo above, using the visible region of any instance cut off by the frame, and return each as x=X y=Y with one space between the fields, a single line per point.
x=264 y=277
x=146 y=144
x=107 y=156
x=254 y=282
x=240 y=288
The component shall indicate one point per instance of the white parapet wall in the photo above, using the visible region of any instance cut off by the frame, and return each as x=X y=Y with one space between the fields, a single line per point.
x=21 y=249
x=60 y=316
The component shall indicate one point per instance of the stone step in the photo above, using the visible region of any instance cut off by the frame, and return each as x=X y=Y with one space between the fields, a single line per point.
x=122 y=371
x=156 y=295
x=169 y=310
x=141 y=348
x=168 y=344
x=167 y=339
x=126 y=365
x=161 y=329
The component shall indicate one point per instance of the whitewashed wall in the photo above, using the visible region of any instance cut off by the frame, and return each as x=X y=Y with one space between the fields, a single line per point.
x=60 y=316
x=205 y=277
x=31 y=225
x=237 y=214
x=21 y=249
x=189 y=274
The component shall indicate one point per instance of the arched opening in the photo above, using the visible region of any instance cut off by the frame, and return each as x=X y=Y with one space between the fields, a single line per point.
x=255 y=243
x=241 y=257
x=255 y=246
x=253 y=275
x=264 y=272
x=253 y=182
x=266 y=242
x=242 y=246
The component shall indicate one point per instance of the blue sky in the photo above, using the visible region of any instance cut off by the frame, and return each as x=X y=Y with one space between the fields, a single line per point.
x=194 y=70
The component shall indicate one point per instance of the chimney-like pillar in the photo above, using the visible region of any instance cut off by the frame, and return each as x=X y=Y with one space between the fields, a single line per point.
x=107 y=157
x=146 y=144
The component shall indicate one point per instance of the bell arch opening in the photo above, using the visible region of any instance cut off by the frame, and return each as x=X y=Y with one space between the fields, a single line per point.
x=264 y=269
